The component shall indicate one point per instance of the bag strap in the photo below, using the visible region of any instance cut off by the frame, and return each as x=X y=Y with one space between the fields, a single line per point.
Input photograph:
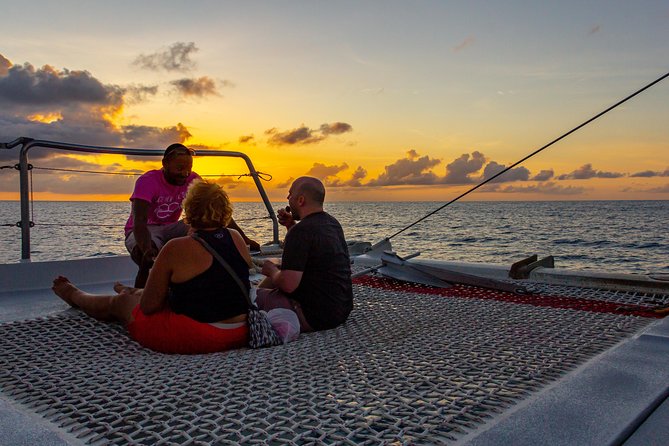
x=225 y=264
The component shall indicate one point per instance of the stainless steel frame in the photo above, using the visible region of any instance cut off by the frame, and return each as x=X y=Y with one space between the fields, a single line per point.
x=28 y=143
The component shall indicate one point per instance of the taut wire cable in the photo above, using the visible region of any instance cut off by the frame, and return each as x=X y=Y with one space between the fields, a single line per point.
x=532 y=154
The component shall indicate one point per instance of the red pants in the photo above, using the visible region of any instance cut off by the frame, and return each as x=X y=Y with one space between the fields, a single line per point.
x=168 y=332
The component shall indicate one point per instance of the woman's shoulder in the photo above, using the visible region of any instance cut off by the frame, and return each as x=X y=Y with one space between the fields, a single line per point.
x=180 y=244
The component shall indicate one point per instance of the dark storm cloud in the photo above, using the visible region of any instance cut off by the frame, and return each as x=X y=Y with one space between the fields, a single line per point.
x=306 y=135
x=460 y=169
x=586 y=172
x=175 y=58
x=413 y=169
x=201 y=87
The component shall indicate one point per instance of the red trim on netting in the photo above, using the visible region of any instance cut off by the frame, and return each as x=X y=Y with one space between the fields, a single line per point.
x=537 y=300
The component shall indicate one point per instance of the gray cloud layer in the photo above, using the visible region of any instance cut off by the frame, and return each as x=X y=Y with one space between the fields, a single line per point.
x=175 y=58
x=306 y=135
x=586 y=172
x=78 y=106
x=199 y=88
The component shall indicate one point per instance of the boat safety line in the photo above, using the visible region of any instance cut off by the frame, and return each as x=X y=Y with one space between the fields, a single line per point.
x=262 y=175
x=537 y=300
x=661 y=78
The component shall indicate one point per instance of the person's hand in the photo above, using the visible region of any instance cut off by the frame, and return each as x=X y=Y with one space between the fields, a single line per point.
x=285 y=217
x=150 y=255
x=269 y=269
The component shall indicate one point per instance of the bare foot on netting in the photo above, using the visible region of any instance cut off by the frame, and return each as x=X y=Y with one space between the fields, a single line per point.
x=65 y=290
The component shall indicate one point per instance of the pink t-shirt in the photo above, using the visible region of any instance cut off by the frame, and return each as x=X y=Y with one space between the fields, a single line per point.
x=164 y=198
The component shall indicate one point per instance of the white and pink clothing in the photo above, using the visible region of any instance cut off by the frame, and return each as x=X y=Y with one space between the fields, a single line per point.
x=164 y=198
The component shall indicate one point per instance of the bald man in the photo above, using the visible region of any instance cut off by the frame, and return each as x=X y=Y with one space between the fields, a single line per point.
x=315 y=276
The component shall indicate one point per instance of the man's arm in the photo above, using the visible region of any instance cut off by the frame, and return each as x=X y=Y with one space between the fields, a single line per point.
x=140 y=212
x=286 y=280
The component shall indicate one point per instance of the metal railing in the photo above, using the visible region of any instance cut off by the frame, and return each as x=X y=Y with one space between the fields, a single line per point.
x=24 y=167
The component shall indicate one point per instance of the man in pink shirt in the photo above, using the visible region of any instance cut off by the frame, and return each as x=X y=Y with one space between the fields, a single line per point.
x=156 y=208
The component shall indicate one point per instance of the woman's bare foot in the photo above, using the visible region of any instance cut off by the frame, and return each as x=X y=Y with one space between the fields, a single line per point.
x=64 y=289
x=124 y=289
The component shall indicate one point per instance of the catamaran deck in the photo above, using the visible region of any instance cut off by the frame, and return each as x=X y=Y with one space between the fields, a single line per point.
x=412 y=365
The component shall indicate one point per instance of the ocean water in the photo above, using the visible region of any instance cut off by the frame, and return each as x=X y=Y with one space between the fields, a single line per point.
x=612 y=236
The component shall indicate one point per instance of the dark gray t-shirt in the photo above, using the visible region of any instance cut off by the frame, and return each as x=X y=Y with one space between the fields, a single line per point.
x=316 y=246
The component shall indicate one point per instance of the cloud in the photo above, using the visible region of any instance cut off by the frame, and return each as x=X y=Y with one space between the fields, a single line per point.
x=246 y=139
x=300 y=135
x=515 y=174
x=175 y=58
x=544 y=175
x=72 y=106
x=460 y=169
x=586 y=172
x=286 y=183
x=594 y=29
x=357 y=177
x=650 y=173
x=26 y=86
x=336 y=128
x=469 y=41
x=200 y=87
x=413 y=169
x=320 y=170
x=548 y=188
x=135 y=94
x=5 y=65
x=147 y=136
x=660 y=190
x=76 y=183
x=305 y=135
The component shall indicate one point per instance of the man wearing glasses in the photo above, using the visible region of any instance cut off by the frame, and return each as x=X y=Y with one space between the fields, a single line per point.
x=156 y=208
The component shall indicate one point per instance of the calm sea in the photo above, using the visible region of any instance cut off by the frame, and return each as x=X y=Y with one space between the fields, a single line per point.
x=614 y=236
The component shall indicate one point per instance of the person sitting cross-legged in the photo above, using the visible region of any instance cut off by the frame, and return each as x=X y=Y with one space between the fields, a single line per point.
x=190 y=304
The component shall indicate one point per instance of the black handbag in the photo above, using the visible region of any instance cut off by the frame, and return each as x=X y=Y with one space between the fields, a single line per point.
x=261 y=332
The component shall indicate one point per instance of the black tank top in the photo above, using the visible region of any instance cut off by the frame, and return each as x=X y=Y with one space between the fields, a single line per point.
x=213 y=295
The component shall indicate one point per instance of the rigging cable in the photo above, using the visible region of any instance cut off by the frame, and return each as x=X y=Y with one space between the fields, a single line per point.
x=262 y=175
x=531 y=155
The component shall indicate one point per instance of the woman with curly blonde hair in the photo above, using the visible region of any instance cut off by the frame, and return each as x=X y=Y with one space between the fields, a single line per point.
x=190 y=304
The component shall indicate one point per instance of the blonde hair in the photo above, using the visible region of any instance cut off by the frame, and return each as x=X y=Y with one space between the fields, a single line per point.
x=206 y=205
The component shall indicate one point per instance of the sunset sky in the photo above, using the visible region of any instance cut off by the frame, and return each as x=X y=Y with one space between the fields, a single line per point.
x=382 y=100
